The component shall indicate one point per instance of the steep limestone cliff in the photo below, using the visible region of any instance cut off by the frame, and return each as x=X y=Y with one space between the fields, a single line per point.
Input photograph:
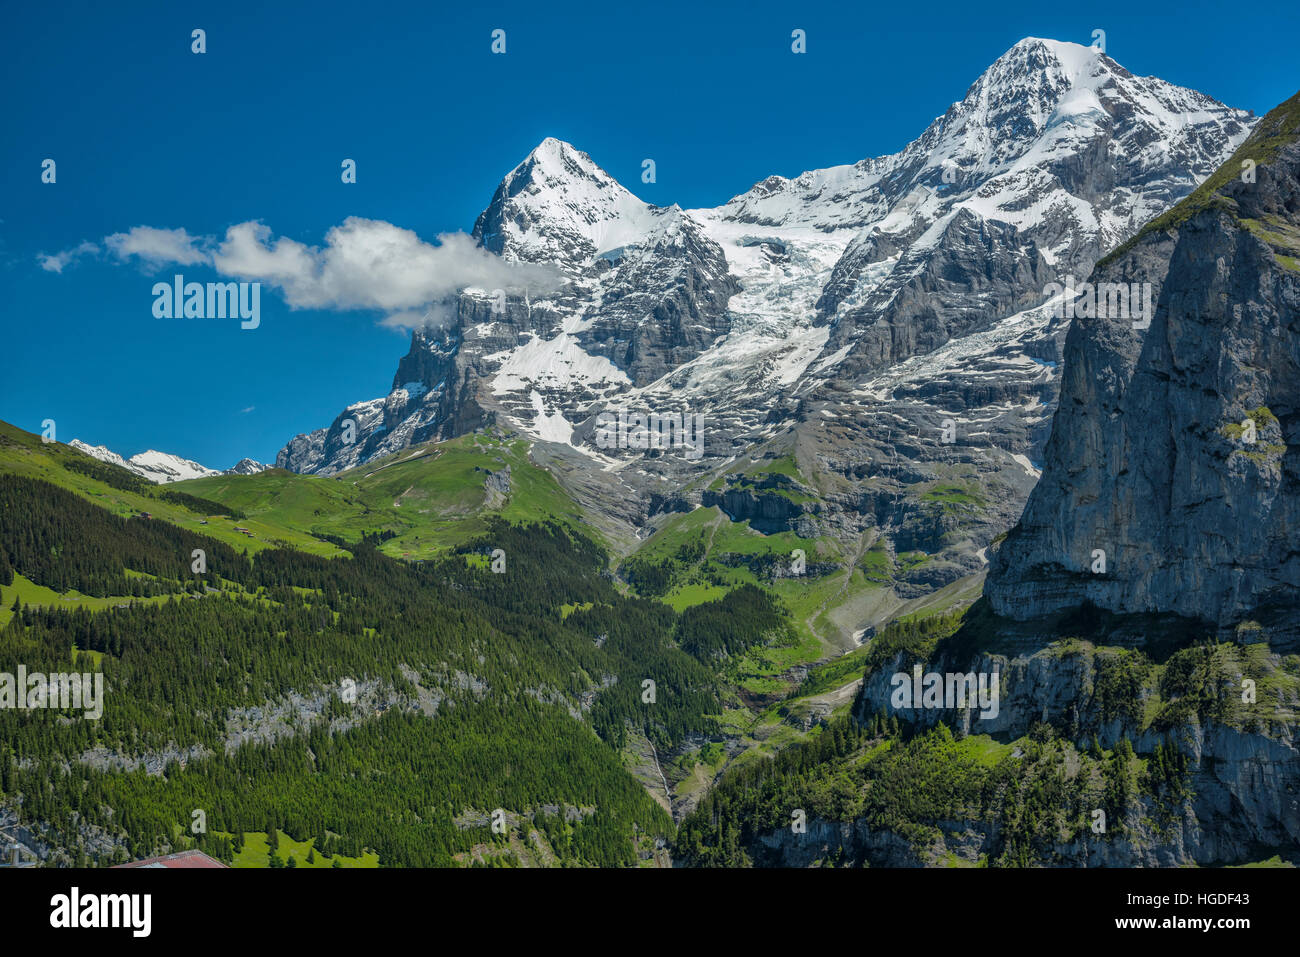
x=1175 y=449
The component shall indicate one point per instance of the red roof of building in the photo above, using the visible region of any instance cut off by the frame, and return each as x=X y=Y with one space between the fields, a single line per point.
x=179 y=859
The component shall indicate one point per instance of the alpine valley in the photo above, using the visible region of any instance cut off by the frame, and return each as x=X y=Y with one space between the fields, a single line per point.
x=472 y=623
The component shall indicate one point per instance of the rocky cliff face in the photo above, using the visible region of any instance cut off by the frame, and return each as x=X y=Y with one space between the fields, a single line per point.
x=429 y=400
x=1171 y=482
x=1064 y=720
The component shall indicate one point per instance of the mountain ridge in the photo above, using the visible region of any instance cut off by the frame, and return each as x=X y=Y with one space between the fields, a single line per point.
x=887 y=325
x=163 y=468
x=558 y=206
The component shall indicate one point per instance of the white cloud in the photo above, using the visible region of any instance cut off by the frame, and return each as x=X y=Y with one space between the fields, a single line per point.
x=436 y=316
x=157 y=246
x=363 y=264
x=56 y=262
x=369 y=264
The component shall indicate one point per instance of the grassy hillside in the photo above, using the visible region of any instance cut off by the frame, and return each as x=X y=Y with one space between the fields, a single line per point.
x=223 y=688
x=422 y=500
x=125 y=494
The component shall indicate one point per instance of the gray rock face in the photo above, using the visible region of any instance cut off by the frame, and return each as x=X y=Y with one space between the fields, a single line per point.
x=823 y=839
x=432 y=397
x=497 y=486
x=977 y=272
x=1175 y=449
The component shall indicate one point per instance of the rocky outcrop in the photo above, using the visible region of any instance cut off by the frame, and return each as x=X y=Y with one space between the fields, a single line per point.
x=772 y=503
x=1171 y=482
x=1218 y=782
x=1243 y=759
x=851 y=841
x=497 y=487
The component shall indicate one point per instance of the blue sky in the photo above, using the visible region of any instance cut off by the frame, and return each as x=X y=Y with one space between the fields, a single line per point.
x=146 y=133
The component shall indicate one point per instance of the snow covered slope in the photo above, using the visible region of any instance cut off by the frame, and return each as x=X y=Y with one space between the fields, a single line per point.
x=161 y=467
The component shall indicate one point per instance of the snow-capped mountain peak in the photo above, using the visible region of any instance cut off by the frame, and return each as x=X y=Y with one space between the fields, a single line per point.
x=163 y=467
x=246 y=467
x=554 y=160
x=101 y=452
x=559 y=207
x=1036 y=110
